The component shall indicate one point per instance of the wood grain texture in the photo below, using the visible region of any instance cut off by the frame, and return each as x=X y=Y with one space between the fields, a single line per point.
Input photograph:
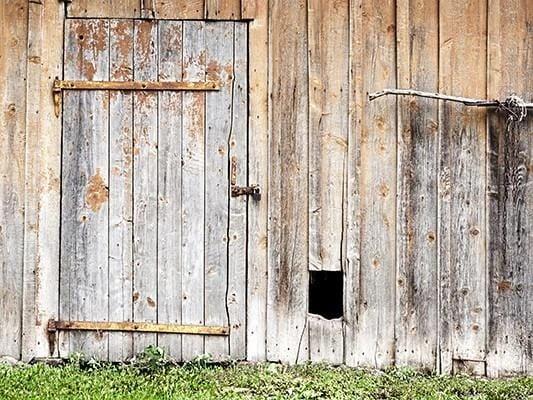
x=13 y=53
x=238 y=143
x=288 y=222
x=104 y=8
x=84 y=203
x=43 y=169
x=462 y=184
x=510 y=193
x=326 y=340
x=120 y=188
x=352 y=283
x=219 y=129
x=145 y=183
x=251 y=9
x=374 y=336
x=258 y=174
x=223 y=9
x=328 y=131
x=180 y=9
x=193 y=187
x=169 y=268
x=416 y=276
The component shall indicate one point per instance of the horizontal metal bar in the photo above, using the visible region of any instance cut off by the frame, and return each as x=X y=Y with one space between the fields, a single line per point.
x=136 y=327
x=135 y=85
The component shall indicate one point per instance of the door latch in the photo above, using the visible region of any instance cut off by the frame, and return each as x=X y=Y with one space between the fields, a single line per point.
x=236 y=191
x=253 y=190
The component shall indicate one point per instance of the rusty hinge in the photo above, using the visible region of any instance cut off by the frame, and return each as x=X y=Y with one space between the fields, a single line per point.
x=236 y=191
x=55 y=325
x=60 y=85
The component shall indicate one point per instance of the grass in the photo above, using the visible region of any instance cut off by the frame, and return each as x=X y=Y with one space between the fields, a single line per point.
x=244 y=381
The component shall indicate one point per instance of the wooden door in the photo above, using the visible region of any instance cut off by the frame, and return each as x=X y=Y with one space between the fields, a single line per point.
x=149 y=230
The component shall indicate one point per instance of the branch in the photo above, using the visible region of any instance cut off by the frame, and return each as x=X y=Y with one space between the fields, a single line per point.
x=465 y=100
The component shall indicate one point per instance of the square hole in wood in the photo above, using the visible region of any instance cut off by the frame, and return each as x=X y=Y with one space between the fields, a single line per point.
x=326 y=293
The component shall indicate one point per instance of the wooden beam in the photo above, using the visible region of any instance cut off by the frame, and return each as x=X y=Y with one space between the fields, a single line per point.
x=55 y=325
x=60 y=85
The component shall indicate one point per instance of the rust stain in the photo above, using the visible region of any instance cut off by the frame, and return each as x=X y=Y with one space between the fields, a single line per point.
x=384 y=190
x=135 y=296
x=97 y=192
x=504 y=286
x=150 y=301
x=92 y=40
x=145 y=44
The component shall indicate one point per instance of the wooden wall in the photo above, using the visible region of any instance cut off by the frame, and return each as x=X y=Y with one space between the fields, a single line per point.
x=425 y=207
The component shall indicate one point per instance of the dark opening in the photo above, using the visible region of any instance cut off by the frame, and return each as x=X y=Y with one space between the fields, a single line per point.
x=325 y=293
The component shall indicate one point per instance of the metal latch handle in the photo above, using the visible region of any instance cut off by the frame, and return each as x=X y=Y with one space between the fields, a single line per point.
x=236 y=191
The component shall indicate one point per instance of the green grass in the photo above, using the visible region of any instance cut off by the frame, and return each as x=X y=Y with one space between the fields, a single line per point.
x=244 y=381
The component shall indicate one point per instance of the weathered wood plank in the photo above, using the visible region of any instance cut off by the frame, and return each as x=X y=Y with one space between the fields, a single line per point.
x=326 y=340
x=193 y=193
x=180 y=9
x=13 y=52
x=510 y=193
x=169 y=186
x=54 y=326
x=223 y=9
x=238 y=144
x=288 y=224
x=84 y=219
x=145 y=125
x=258 y=174
x=328 y=131
x=251 y=9
x=120 y=188
x=219 y=129
x=104 y=8
x=462 y=181
x=43 y=166
x=374 y=338
x=416 y=274
x=352 y=287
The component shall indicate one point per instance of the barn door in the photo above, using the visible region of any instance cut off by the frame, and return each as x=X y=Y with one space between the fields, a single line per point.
x=150 y=232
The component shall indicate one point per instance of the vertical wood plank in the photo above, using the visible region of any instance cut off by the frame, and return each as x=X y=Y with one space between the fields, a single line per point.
x=193 y=193
x=352 y=287
x=288 y=173
x=328 y=131
x=416 y=283
x=257 y=174
x=219 y=129
x=462 y=183
x=43 y=169
x=250 y=9
x=104 y=8
x=223 y=9
x=510 y=193
x=180 y=9
x=326 y=341
x=43 y=166
x=238 y=143
x=84 y=219
x=145 y=186
x=169 y=186
x=120 y=188
x=13 y=52
x=374 y=336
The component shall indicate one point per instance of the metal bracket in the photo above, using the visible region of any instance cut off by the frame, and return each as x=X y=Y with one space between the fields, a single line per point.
x=60 y=85
x=236 y=191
